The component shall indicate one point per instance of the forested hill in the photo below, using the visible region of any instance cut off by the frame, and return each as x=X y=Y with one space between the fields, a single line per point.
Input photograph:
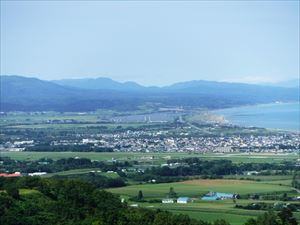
x=30 y=94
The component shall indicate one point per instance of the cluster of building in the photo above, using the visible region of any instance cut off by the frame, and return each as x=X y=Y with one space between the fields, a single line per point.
x=133 y=141
x=164 y=140
x=16 y=146
x=211 y=196
x=19 y=174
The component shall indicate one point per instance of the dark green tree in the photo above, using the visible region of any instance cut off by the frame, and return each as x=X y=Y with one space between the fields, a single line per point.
x=269 y=218
x=172 y=193
x=221 y=222
x=286 y=217
x=296 y=180
x=140 y=195
x=251 y=222
x=13 y=191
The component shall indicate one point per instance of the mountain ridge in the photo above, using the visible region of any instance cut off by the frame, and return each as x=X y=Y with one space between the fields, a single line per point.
x=84 y=82
x=31 y=94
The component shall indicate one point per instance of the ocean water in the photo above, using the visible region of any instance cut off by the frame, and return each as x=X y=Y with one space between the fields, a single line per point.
x=283 y=116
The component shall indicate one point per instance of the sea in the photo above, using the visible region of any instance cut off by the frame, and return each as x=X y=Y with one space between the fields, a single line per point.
x=279 y=116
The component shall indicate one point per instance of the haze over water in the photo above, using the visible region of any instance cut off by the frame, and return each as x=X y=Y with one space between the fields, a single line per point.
x=283 y=116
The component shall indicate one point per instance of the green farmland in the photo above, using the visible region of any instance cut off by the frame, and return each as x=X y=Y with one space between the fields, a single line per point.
x=156 y=157
x=209 y=210
x=196 y=188
x=82 y=171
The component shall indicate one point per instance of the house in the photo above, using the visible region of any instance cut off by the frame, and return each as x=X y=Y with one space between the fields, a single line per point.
x=213 y=196
x=184 y=200
x=167 y=201
x=250 y=173
x=296 y=198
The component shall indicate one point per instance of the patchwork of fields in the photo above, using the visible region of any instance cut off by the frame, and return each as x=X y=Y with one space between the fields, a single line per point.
x=199 y=209
x=210 y=210
x=154 y=157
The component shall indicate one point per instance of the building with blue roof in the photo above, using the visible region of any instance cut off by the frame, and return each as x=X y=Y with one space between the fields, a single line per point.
x=213 y=196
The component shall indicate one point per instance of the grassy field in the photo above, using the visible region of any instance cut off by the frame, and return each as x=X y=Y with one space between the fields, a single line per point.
x=204 y=210
x=210 y=211
x=157 y=157
x=76 y=126
x=264 y=178
x=30 y=118
x=271 y=179
x=207 y=210
x=82 y=171
x=196 y=188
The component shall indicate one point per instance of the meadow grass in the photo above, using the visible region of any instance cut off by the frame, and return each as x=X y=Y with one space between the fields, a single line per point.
x=209 y=211
x=197 y=188
x=267 y=178
x=157 y=157
x=83 y=171
x=212 y=210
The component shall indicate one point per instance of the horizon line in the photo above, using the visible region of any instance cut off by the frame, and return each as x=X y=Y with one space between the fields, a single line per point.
x=233 y=81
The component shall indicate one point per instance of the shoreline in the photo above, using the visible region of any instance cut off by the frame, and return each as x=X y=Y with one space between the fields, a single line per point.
x=228 y=120
x=258 y=104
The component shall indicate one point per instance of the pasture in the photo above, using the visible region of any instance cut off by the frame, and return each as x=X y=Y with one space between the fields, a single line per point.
x=83 y=171
x=197 y=188
x=208 y=210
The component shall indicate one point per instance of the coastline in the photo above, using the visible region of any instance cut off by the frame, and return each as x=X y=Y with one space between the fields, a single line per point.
x=233 y=116
x=258 y=104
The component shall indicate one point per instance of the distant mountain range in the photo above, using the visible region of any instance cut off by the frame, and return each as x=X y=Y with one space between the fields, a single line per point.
x=31 y=94
x=295 y=83
x=101 y=83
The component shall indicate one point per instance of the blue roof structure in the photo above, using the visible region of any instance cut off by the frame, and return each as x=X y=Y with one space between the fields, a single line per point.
x=183 y=199
x=212 y=196
x=209 y=198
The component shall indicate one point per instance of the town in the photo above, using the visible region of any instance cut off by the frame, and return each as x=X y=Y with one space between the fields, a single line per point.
x=158 y=139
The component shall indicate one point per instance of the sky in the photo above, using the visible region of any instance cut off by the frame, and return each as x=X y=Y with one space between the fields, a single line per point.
x=151 y=42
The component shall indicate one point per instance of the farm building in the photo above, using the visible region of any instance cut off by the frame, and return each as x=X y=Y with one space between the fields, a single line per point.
x=16 y=174
x=167 y=200
x=212 y=196
x=184 y=200
x=250 y=173
x=37 y=174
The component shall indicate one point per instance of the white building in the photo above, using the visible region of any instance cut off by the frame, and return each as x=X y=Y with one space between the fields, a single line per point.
x=37 y=174
x=184 y=200
x=167 y=201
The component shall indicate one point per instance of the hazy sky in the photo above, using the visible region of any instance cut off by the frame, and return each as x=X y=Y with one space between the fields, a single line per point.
x=153 y=43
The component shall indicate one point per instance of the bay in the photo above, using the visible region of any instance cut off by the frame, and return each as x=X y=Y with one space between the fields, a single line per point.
x=282 y=116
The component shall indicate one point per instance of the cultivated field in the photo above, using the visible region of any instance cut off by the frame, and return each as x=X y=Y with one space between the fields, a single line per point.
x=209 y=210
x=156 y=157
x=197 y=188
